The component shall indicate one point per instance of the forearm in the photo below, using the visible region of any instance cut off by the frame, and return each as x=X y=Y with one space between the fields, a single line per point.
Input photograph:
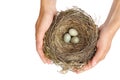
x=113 y=20
x=48 y=6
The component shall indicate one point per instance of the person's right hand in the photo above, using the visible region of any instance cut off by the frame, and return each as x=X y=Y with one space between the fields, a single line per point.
x=44 y=21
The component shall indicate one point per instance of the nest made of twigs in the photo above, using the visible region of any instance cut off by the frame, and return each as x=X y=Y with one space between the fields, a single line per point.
x=70 y=55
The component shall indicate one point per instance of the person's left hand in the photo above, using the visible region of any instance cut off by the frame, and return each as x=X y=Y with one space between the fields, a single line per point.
x=103 y=46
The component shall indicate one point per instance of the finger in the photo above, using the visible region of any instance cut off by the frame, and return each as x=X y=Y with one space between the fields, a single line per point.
x=77 y=71
x=88 y=66
x=84 y=68
x=43 y=57
x=100 y=54
x=41 y=54
x=41 y=28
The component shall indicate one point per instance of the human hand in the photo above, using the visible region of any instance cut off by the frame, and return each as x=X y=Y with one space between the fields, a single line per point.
x=107 y=31
x=44 y=21
x=103 y=46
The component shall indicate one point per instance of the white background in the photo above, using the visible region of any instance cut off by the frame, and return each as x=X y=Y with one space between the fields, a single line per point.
x=18 y=57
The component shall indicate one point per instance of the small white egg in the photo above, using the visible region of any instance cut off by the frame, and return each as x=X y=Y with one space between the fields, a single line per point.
x=67 y=37
x=73 y=32
x=75 y=40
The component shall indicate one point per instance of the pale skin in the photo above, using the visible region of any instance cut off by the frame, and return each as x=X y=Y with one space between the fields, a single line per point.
x=107 y=30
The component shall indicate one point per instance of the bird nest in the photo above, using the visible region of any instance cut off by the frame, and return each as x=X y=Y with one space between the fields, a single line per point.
x=71 y=55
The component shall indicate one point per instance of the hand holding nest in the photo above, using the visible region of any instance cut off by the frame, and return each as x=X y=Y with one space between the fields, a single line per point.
x=106 y=31
x=44 y=21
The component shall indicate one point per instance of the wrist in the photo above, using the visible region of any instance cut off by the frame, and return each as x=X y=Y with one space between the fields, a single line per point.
x=48 y=11
x=111 y=28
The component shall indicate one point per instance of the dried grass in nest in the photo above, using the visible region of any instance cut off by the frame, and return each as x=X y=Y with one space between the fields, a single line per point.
x=69 y=55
